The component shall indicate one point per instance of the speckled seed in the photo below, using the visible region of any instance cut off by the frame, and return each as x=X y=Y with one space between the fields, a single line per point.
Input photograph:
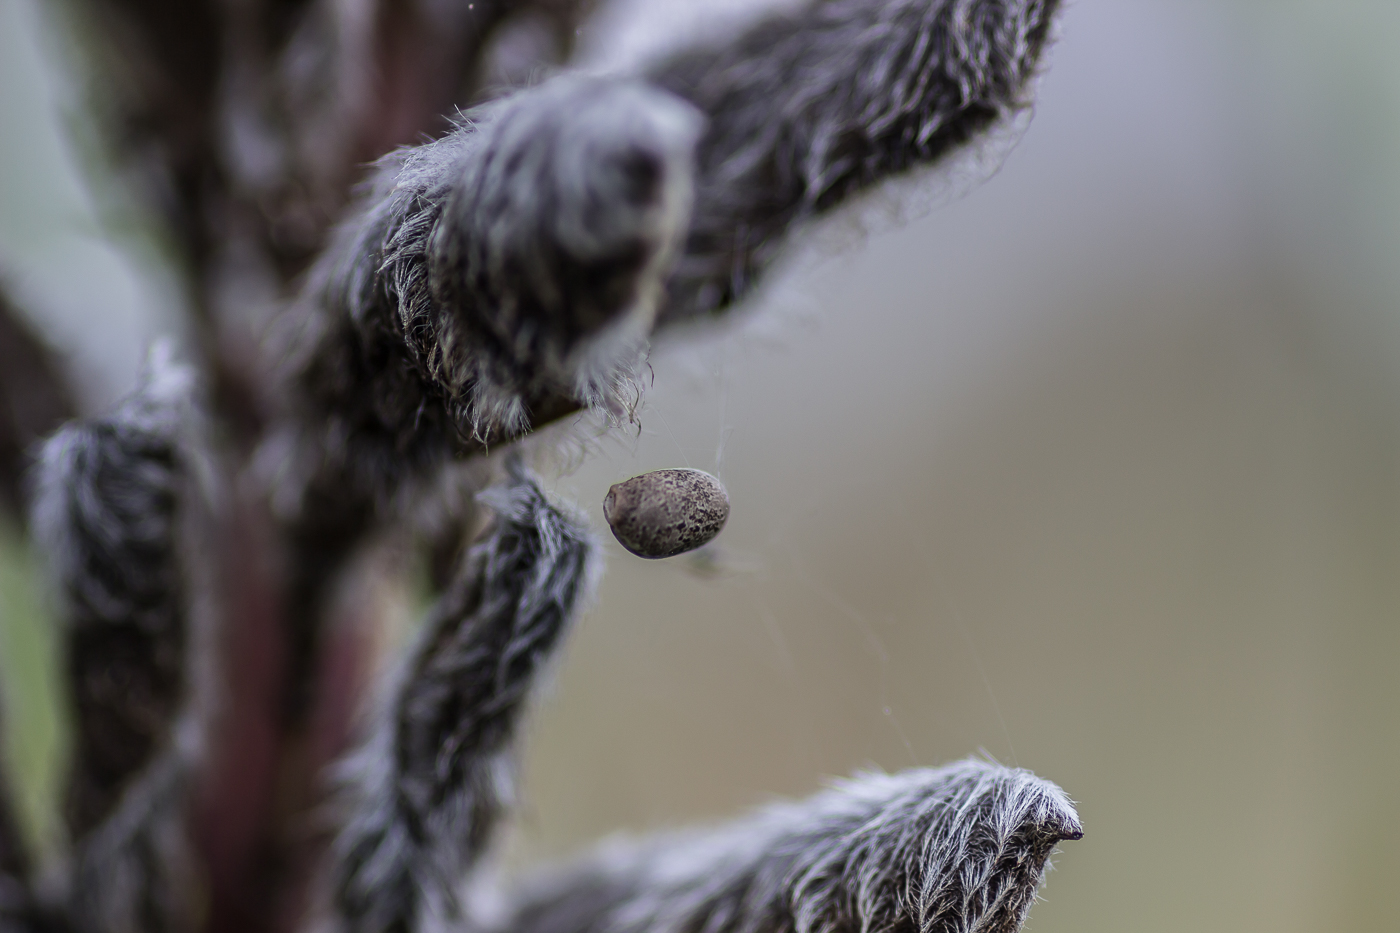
x=667 y=512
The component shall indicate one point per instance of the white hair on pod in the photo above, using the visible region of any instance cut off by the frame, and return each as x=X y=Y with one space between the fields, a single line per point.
x=960 y=848
x=426 y=791
x=122 y=511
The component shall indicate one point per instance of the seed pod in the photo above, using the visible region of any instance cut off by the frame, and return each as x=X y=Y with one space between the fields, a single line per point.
x=667 y=512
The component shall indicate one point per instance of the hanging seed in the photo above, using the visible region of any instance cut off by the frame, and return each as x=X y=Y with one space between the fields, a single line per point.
x=667 y=512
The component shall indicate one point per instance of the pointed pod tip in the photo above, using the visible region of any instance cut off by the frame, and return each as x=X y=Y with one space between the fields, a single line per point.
x=1060 y=822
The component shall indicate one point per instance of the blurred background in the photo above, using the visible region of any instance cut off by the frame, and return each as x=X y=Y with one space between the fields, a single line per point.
x=1089 y=464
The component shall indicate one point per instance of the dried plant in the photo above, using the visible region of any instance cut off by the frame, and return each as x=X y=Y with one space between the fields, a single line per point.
x=360 y=348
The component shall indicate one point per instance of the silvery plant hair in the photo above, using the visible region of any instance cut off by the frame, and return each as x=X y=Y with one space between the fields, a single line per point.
x=517 y=260
x=119 y=509
x=234 y=766
x=811 y=107
x=430 y=783
x=479 y=291
x=958 y=848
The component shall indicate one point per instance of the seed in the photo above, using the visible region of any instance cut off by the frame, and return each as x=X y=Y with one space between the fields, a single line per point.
x=667 y=512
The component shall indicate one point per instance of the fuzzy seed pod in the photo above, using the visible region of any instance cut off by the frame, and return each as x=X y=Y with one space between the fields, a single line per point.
x=434 y=778
x=667 y=512
x=957 y=849
x=824 y=100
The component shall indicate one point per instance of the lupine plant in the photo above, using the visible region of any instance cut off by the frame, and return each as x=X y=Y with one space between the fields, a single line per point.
x=397 y=271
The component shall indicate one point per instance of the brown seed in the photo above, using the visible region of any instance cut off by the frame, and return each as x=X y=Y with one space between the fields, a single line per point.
x=667 y=512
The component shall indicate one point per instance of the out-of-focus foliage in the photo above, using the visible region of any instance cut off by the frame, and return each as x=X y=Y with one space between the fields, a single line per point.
x=32 y=711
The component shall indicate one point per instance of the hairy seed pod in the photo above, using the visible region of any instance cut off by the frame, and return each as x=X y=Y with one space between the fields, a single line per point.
x=930 y=850
x=667 y=512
